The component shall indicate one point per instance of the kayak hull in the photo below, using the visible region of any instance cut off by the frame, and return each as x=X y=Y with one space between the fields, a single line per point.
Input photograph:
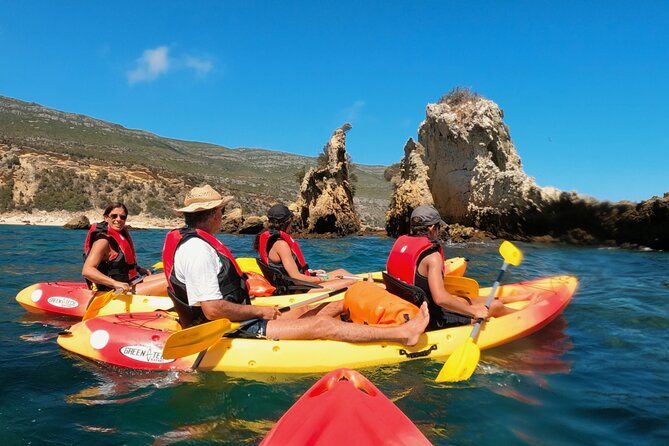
x=72 y=298
x=344 y=407
x=64 y=298
x=148 y=331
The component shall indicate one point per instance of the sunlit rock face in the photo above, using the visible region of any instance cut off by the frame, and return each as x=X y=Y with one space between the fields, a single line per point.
x=410 y=189
x=476 y=180
x=325 y=203
x=476 y=176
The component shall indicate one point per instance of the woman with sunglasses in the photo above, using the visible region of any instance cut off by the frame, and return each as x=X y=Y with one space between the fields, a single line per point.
x=109 y=256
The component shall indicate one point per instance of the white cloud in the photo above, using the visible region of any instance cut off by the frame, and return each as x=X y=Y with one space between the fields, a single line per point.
x=158 y=61
x=199 y=65
x=352 y=112
x=153 y=63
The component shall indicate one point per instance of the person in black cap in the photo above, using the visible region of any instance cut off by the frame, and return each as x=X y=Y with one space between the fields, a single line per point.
x=415 y=272
x=282 y=258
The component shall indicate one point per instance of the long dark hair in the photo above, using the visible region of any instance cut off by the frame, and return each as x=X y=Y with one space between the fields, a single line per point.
x=112 y=206
x=271 y=225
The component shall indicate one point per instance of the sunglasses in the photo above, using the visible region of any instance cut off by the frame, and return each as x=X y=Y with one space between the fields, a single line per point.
x=115 y=216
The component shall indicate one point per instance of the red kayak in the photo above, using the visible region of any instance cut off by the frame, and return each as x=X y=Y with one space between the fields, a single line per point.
x=72 y=298
x=344 y=408
x=66 y=298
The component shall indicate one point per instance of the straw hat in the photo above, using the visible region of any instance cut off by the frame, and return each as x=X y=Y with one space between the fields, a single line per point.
x=203 y=198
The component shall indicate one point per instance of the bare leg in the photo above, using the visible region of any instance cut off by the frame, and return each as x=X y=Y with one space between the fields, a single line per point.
x=153 y=285
x=497 y=309
x=333 y=284
x=329 y=309
x=518 y=297
x=321 y=327
x=340 y=282
x=339 y=272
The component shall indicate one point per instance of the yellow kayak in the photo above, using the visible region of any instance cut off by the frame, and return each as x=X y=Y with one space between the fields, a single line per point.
x=73 y=298
x=136 y=340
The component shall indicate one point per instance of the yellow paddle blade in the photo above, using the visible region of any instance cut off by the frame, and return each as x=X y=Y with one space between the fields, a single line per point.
x=461 y=364
x=195 y=339
x=511 y=254
x=97 y=303
x=461 y=286
x=157 y=265
x=248 y=264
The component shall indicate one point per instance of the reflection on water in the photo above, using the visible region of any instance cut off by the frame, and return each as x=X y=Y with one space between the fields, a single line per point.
x=46 y=320
x=536 y=355
x=532 y=357
x=221 y=430
x=119 y=386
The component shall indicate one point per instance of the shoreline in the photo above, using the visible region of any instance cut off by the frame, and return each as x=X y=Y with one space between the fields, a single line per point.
x=60 y=218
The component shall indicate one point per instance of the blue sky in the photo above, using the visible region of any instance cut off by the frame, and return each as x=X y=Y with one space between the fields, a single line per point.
x=583 y=85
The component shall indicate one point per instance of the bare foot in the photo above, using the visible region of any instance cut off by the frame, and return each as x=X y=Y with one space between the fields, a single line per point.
x=535 y=297
x=416 y=326
x=498 y=309
x=515 y=298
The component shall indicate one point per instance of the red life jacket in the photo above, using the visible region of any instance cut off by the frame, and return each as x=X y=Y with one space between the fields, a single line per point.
x=405 y=255
x=404 y=280
x=231 y=279
x=267 y=240
x=121 y=264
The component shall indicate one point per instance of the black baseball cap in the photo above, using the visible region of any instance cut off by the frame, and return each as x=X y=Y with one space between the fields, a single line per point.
x=279 y=212
x=426 y=215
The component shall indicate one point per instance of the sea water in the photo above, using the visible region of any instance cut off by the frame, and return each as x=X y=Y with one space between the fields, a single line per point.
x=597 y=375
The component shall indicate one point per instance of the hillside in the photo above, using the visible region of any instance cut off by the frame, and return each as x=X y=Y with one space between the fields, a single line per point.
x=43 y=149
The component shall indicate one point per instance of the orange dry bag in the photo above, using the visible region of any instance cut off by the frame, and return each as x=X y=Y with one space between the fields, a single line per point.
x=258 y=286
x=368 y=303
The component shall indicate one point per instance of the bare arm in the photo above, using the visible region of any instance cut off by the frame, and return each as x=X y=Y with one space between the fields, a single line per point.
x=220 y=308
x=283 y=251
x=144 y=271
x=432 y=266
x=99 y=252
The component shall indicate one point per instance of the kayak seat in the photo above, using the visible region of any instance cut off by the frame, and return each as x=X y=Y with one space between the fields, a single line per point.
x=284 y=284
x=408 y=292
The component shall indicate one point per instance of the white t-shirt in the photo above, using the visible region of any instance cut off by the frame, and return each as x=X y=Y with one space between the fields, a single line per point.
x=196 y=264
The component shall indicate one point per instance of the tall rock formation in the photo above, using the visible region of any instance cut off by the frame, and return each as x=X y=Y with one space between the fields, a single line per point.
x=410 y=189
x=325 y=204
x=476 y=179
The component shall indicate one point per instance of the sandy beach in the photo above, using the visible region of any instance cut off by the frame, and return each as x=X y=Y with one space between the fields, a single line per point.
x=44 y=218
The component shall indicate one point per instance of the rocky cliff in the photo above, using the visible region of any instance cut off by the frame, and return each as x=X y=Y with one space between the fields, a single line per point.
x=53 y=162
x=410 y=189
x=476 y=179
x=325 y=202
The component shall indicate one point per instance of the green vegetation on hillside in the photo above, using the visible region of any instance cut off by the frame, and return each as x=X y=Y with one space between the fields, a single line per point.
x=254 y=176
x=62 y=190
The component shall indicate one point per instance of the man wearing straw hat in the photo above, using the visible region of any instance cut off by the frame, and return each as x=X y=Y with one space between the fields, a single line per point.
x=206 y=283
